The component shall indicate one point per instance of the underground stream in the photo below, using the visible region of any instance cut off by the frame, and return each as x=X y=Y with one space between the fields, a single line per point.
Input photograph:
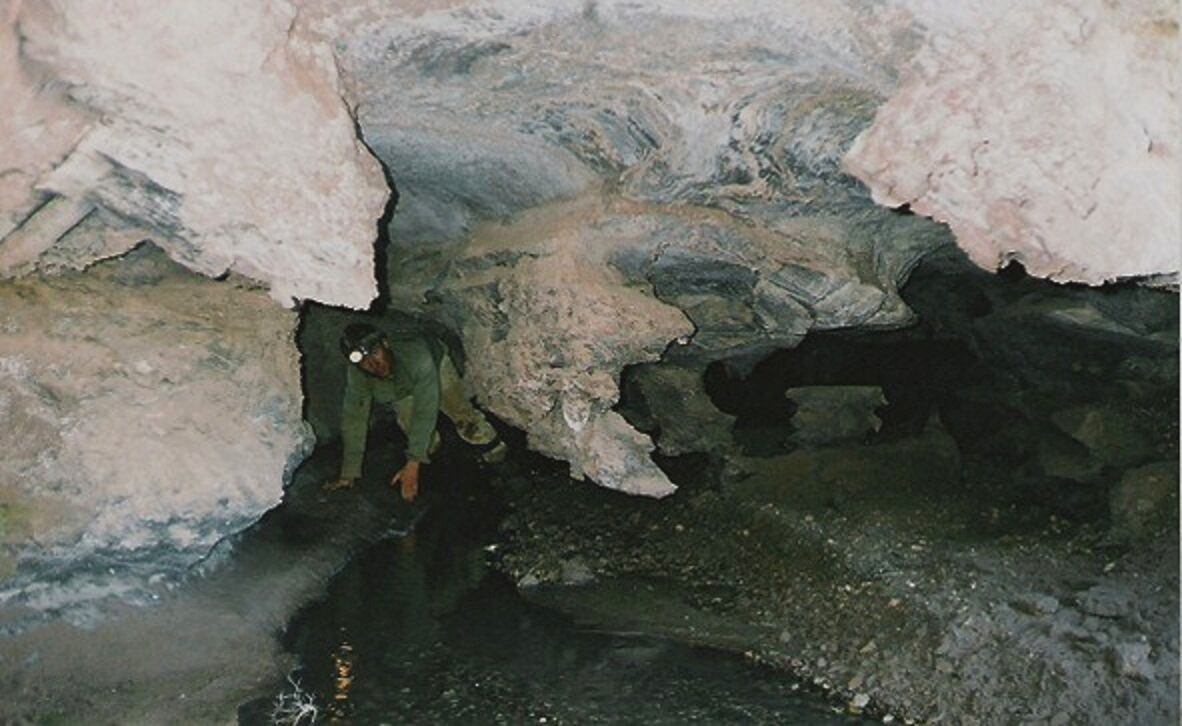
x=419 y=627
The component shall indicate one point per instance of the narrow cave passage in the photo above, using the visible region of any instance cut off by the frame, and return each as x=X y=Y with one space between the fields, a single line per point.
x=706 y=254
x=1013 y=398
x=1007 y=466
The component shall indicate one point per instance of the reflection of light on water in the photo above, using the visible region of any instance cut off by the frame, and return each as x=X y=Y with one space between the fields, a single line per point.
x=342 y=669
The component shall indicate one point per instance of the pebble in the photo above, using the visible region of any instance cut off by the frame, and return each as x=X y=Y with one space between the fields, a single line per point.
x=860 y=701
x=1105 y=602
x=1132 y=660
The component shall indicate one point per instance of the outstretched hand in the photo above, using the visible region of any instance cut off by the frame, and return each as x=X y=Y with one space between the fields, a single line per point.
x=408 y=478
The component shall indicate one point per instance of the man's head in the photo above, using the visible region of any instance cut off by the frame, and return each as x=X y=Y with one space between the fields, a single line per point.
x=365 y=347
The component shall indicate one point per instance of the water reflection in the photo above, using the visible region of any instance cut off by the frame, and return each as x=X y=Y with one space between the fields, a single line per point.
x=420 y=630
x=342 y=659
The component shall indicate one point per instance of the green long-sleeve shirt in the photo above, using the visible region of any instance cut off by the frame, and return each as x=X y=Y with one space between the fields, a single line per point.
x=415 y=376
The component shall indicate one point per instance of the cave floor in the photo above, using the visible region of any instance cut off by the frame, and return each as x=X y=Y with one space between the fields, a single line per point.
x=420 y=629
x=939 y=609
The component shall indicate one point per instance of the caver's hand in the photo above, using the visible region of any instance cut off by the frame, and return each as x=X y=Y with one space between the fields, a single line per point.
x=339 y=484
x=408 y=478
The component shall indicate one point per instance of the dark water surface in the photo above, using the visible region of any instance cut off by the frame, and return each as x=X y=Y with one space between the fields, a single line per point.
x=419 y=629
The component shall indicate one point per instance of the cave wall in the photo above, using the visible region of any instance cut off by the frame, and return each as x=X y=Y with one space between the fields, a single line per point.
x=587 y=186
x=217 y=130
x=148 y=412
x=1045 y=133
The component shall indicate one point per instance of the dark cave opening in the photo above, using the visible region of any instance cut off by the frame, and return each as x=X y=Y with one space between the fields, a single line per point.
x=1051 y=393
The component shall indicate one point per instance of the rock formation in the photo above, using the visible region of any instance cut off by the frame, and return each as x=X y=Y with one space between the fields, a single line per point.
x=218 y=132
x=584 y=188
x=1043 y=133
x=148 y=413
x=587 y=186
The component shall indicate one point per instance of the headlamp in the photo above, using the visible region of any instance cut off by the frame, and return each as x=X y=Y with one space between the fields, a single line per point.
x=365 y=346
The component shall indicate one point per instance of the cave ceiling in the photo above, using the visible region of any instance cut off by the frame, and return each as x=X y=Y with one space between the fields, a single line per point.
x=582 y=186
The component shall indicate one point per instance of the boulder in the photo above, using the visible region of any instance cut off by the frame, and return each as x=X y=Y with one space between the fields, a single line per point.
x=833 y=414
x=884 y=474
x=681 y=411
x=1111 y=434
x=1145 y=499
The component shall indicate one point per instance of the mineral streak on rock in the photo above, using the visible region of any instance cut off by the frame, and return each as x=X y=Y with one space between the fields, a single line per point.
x=217 y=130
x=1042 y=132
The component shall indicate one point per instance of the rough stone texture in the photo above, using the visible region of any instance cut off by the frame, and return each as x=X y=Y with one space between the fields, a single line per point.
x=831 y=414
x=546 y=326
x=1042 y=132
x=852 y=476
x=675 y=405
x=218 y=131
x=146 y=409
x=700 y=176
x=1111 y=435
x=1145 y=499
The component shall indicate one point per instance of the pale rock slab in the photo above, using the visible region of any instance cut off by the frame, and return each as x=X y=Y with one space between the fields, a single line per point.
x=1042 y=132
x=146 y=409
x=216 y=129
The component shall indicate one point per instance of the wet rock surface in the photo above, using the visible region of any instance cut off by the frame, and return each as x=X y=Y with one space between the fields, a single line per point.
x=420 y=629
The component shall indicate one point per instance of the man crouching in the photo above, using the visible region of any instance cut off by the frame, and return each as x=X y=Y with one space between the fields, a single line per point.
x=413 y=373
